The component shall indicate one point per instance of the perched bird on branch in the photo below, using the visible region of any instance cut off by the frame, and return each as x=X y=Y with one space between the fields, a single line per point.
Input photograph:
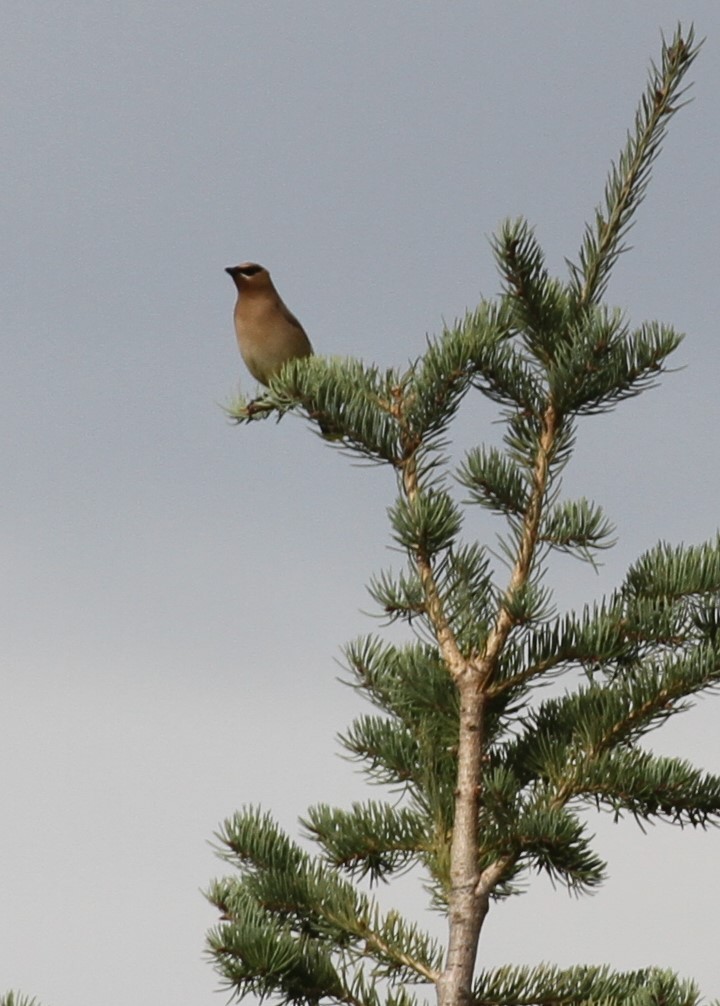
x=267 y=333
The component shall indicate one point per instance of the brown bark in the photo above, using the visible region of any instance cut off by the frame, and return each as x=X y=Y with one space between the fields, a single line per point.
x=470 y=889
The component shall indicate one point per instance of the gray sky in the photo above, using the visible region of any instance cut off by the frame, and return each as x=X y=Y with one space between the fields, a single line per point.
x=176 y=590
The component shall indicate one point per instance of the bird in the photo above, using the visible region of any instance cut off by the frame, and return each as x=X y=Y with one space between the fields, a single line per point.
x=268 y=334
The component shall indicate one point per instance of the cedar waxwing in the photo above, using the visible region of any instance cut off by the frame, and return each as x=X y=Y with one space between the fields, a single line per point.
x=267 y=333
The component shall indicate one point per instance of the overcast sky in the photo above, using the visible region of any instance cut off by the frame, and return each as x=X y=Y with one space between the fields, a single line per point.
x=176 y=590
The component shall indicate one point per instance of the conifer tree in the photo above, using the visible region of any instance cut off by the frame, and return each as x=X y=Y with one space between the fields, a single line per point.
x=487 y=778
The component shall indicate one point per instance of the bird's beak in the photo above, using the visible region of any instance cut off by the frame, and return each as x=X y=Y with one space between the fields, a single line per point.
x=230 y=270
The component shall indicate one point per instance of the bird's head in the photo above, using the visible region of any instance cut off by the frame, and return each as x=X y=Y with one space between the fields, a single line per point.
x=249 y=276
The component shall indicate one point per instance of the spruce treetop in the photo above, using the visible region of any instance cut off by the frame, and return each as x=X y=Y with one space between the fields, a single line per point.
x=487 y=776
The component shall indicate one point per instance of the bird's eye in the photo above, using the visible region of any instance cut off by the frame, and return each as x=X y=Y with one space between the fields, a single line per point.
x=251 y=270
